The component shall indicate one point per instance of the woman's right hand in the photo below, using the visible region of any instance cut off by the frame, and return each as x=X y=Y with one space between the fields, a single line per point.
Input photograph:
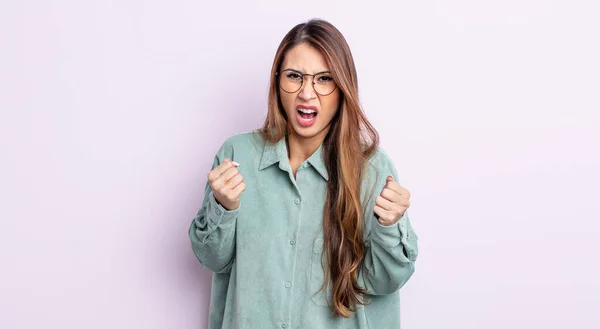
x=227 y=184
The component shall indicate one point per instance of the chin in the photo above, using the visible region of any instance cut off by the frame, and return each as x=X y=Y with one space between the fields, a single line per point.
x=307 y=132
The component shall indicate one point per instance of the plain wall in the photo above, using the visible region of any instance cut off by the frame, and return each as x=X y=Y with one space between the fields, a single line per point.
x=112 y=111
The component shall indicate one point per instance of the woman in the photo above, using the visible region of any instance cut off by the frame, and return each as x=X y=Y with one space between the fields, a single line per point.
x=311 y=229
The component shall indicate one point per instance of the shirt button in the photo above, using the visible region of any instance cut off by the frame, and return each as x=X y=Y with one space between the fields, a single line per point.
x=292 y=242
x=284 y=325
x=297 y=201
x=218 y=211
x=287 y=284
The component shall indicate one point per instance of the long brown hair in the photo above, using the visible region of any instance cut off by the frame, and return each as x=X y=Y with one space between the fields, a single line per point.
x=351 y=140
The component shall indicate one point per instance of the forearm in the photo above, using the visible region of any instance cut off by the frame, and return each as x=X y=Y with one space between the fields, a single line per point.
x=212 y=235
x=390 y=257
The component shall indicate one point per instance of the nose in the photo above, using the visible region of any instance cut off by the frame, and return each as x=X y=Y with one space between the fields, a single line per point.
x=307 y=91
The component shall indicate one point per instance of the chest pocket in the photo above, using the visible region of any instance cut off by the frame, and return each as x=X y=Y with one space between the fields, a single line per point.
x=317 y=276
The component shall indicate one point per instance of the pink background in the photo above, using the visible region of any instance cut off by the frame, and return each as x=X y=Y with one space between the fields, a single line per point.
x=111 y=112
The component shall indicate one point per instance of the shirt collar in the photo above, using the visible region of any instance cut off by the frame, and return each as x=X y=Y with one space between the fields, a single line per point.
x=277 y=152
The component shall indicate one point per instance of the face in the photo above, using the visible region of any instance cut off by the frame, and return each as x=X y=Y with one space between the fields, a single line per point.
x=304 y=59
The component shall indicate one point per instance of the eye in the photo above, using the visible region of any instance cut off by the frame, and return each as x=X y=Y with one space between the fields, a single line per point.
x=293 y=76
x=324 y=79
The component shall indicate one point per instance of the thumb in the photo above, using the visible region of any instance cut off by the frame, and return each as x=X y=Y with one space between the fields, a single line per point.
x=389 y=178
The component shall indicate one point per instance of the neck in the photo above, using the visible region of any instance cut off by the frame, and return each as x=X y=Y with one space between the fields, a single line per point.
x=301 y=148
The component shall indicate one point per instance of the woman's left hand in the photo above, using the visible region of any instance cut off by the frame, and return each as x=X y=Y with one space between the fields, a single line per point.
x=392 y=202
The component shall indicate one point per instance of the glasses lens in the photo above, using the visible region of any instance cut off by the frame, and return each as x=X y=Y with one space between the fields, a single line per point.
x=290 y=81
x=324 y=84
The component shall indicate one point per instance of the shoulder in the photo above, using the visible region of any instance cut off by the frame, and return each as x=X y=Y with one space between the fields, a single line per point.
x=247 y=144
x=378 y=167
x=380 y=163
x=243 y=139
x=240 y=138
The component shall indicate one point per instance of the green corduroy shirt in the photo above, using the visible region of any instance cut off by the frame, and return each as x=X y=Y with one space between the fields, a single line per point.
x=266 y=255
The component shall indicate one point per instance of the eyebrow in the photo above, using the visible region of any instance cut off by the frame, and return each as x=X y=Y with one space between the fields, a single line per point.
x=298 y=71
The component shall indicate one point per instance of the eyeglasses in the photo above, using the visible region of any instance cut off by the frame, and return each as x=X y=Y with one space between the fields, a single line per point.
x=291 y=81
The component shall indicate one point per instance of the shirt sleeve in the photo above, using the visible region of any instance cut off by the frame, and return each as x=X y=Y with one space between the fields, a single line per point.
x=391 y=251
x=212 y=232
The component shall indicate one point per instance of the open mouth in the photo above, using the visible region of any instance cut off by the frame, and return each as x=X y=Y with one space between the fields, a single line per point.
x=306 y=115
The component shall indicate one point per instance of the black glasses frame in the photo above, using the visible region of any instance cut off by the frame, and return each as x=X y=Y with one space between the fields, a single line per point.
x=302 y=83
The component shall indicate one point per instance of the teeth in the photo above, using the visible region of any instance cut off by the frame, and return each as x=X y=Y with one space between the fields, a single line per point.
x=307 y=111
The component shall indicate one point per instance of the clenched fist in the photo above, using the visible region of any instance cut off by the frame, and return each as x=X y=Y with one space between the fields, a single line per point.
x=227 y=184
x=391 y=204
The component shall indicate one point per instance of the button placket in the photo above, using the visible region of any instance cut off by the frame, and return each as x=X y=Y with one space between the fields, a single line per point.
x=293 y=241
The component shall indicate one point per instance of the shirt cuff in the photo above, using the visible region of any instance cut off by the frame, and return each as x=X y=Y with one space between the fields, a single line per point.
x=390 y=235
x=218 y=216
